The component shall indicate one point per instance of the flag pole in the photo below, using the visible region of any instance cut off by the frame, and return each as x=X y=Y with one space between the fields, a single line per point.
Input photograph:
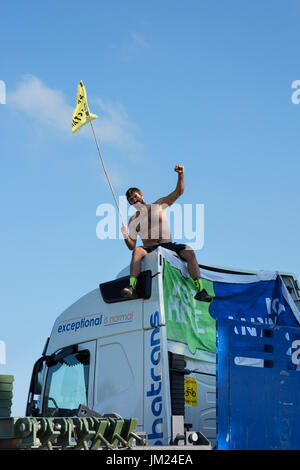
x=82 y=110
x=106 y=174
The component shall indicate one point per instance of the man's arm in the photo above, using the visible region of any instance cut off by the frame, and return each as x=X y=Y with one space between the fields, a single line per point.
x=130 y=242
x=171 y=198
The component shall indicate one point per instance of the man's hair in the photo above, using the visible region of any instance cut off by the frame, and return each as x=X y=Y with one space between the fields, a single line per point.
x=130 y=191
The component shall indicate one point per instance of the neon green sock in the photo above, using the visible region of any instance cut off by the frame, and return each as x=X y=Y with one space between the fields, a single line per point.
x=133 y=281
x=198 y=284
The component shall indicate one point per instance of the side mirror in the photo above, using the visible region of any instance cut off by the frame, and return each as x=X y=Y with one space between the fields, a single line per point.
x=38 y=379
x=36 y=384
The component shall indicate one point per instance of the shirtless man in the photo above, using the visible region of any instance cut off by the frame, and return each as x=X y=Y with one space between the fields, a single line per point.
x=150 y=223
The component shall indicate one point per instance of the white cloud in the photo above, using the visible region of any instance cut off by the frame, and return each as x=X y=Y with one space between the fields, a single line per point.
x=139 y=40
x=114 y=124
x=132 y=46
x=41 y=102
x=49 y=106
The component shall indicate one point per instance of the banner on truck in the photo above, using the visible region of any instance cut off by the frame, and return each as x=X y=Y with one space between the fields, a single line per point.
x=260 y=298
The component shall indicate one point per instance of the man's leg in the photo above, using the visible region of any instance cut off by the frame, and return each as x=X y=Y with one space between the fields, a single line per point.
x=135 y=268
x=193 y=268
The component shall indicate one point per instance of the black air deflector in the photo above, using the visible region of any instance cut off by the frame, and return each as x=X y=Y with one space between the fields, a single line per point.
x=177 y=371
x=111 y=291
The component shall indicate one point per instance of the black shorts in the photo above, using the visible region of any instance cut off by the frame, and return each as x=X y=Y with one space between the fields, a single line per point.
x=177 y=247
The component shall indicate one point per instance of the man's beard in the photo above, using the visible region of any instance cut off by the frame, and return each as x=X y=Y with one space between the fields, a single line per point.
x=138 y=203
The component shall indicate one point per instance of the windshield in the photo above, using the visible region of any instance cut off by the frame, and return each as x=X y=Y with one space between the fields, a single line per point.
x=67 y=385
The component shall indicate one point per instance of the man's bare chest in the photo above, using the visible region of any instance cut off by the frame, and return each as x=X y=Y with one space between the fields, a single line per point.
x=149 y=216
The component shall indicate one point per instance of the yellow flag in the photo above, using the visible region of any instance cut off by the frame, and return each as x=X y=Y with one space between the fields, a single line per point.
x=81 y=114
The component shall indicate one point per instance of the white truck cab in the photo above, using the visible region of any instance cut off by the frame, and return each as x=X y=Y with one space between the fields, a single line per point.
x=114 y=355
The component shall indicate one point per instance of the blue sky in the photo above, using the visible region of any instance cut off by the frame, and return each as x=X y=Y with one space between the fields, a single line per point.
x=205 y=84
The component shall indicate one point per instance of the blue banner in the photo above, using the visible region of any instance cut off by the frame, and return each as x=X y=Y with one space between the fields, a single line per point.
x=260 y=298
x=262 y=302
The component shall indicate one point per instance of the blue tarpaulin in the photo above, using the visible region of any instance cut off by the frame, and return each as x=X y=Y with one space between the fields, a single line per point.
x=260 y=298
x=261 y=301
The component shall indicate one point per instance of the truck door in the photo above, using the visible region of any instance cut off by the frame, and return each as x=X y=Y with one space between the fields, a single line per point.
x=119 y=375
x=69 y=381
